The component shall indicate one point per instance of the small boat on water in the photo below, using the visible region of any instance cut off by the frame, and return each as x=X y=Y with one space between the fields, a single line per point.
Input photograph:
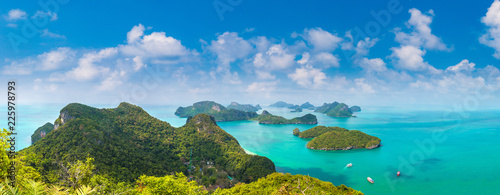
x=399 y=173
x=370 y=180
x=349 y=165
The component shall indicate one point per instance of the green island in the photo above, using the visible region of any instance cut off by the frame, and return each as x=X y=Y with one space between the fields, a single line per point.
x=218 y=111
x=337 y=138
x=268 y=118
x=282 y=104
x=41 y=132
x=337 y=109
x=244 y=107
x=124 y=150
x=308 y=106
x=298 y=109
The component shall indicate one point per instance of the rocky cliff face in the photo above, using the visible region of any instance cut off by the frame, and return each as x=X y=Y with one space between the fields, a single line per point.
x=64 y=117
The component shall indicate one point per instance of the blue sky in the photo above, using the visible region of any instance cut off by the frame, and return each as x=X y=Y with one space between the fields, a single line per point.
x=177 y=52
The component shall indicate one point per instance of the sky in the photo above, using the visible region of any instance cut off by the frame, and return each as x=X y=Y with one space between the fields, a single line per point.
x=388 y=52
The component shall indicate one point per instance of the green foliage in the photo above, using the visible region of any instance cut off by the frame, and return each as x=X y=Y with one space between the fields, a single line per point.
x=43 y=130
x=279 y=183
x=244 y=107
x=296 y=131
x=170 y=184
x=337 y=138
x=126 y=142
x=341 y=140
x=355 y=109
x=219 y=112
x=307 y=105
x=319 y=130
x=268 y=118
x=335 y=109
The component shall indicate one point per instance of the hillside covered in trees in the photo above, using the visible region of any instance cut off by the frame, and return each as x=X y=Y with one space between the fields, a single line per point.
x=126 y=142
x=337 y=109
x=337 y=138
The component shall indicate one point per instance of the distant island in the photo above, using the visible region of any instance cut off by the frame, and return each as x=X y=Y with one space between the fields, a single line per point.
x=218 y=111
x=281 y=104
x=41 y=132
x=337 y=138
x=244 y=107
x=268 y=118
x=337 y=109
x=308 y=106
x=298 y=109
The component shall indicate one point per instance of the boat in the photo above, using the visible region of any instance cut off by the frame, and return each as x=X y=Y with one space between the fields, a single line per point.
x=349 y=165
x=370 y=180
x=399 y=173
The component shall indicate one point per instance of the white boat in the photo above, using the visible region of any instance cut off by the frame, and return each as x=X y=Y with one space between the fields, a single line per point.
x=370 y=180
x=349 y=165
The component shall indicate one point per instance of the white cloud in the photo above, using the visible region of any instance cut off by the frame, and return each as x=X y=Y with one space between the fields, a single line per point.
x=376 y=64
x=16 y=14
x=41 y=14
x=492 y=21
x=364 y=46
x=112 y=81
x=308 y=77
x=262 y=87
x=421 y=35
x=362 y=87
x=409 y=57
x=47 y=61
x=138 y=64
x=21 y=67
x=325 y=60
x=47 y=33
x=156 y=46
x=275 y=58
x=321 y=40
x=87 y=70
x=228 y=48
x=55 y=59
x=464 y=65
x=305 y=58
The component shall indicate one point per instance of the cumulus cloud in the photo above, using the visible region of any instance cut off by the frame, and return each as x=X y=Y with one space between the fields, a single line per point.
x=464 y=65
x=409 y=57
x=16 y=14
x=321 y=40
x=308 y=76
x=157 y=47
x=47 y=61
x=275 y=58
x=87 y=69
x=376 y=64
x=228 y=48
x=56 y=59
x=492 y=21
x=421 y=35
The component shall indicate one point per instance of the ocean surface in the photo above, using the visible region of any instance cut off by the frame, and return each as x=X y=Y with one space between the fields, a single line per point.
x=437 y=151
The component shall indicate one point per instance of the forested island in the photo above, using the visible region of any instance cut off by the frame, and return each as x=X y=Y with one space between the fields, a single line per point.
x=268 y=118
x=218 y=111
x=244 y=107
x=337 y=138
x=124 y=150
x=337 y=109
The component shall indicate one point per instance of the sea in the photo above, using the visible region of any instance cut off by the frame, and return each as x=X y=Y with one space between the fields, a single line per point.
x=438 y=150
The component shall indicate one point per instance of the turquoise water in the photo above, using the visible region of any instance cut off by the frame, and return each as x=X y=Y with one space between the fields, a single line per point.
x=463 y=157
